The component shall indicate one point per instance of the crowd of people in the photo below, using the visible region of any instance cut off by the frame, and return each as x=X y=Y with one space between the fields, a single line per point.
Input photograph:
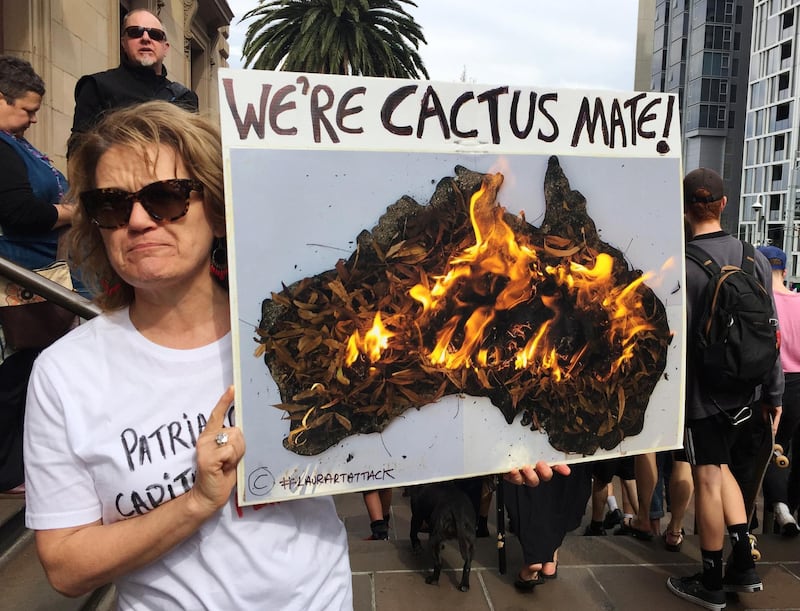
x=142 y=224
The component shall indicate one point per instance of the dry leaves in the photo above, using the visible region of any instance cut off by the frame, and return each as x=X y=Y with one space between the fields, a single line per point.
x=305 y=329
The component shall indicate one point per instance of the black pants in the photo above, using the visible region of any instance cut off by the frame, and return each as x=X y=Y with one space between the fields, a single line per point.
x=14 y=374
x=777 y=481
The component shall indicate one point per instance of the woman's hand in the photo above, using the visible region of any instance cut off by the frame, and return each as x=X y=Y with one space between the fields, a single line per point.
x=216 y=464
x=532 y=476
x=65 y=212
x=82 y=558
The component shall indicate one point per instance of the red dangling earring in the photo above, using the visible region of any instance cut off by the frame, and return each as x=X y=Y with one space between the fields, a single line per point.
x=110 y=289
x=219 y=261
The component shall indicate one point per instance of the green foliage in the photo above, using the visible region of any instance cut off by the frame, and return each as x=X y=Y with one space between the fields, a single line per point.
x=356 y=37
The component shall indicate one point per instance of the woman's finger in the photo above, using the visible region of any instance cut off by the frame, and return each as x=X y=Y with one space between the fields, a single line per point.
x=534 y=475
x=216 y=419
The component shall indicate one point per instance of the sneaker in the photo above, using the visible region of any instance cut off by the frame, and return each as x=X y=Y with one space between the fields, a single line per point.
x=377 y=537
x=785 y=520
x=790 y=529
x=741 y=581
x=693 y=590
x=595 y=529
x=380 y=531
x=612 y=518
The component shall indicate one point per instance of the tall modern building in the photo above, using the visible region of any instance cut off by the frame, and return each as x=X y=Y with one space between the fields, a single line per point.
x=770 y=200
x=701 y=50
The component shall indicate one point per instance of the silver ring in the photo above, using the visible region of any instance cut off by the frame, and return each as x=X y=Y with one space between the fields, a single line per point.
x=221 y=438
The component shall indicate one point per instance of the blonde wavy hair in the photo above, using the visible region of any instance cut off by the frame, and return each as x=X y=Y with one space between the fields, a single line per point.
x=141 y=128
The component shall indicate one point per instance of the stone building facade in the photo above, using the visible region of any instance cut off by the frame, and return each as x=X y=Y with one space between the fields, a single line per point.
x=65 y=39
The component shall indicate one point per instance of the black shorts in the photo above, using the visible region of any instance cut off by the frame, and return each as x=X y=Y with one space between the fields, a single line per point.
x=708 y=441
x=603 y=471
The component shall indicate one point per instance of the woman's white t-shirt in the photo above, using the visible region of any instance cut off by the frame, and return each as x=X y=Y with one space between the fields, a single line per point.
x=110 y=429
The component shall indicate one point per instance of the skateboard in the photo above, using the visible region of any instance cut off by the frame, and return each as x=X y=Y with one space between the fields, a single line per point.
x=764 y=452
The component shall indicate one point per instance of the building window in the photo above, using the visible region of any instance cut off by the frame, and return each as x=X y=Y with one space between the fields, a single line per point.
x=787 y=19
x=717 y=37
x=715 y=64
x=783 y=81
x=786 y=50
x=750 y=152
x=712 y=116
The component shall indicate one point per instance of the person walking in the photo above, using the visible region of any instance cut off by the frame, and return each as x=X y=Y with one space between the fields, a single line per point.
x=776 y=480
x=710 y=424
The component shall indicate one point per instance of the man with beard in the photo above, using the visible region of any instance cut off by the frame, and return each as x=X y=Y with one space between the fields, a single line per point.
x=141 y=76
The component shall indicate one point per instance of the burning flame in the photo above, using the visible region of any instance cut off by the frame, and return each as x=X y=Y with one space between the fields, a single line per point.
x=374 y=342
x=500 y=272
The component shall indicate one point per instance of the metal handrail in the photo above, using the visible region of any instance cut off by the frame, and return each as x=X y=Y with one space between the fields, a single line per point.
x=46 y=288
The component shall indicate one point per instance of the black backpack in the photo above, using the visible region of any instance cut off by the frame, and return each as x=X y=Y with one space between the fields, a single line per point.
x=736 y=340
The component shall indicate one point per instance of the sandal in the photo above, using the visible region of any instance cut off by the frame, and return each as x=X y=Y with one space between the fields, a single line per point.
x=673 y=540
x=627 y=528
x=527 y=585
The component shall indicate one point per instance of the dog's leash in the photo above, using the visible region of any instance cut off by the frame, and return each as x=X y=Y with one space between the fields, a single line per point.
x=501 y=525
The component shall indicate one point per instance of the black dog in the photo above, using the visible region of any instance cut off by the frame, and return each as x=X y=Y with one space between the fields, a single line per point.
x=450 y=514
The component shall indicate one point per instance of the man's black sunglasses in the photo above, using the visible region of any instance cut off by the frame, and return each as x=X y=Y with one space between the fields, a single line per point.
x=137 y=31
x=165 y=200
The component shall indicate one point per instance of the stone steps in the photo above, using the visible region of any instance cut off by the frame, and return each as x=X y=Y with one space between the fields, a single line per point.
x=25 y=585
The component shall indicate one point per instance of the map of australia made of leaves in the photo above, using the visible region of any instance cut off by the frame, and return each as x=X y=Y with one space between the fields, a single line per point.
x=460 y=297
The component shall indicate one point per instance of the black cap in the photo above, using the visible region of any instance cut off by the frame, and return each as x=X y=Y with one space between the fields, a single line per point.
x=702 y=186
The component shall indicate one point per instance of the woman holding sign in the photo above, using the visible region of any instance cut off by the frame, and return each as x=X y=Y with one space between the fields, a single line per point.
x=130 y=465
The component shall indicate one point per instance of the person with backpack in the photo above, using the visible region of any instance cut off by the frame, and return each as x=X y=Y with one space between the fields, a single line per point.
x=730 y=337
x=140 y=77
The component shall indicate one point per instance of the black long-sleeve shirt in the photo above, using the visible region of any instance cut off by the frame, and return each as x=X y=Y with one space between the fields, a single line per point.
x=20 y=211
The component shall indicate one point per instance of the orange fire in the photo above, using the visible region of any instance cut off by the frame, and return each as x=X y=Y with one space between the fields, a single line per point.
x=374 y=342
x=500 y=272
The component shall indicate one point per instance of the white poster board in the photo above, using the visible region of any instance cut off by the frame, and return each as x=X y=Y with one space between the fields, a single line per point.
x=313 y=160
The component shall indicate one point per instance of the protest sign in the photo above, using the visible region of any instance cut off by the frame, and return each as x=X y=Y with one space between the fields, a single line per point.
x=435 y=280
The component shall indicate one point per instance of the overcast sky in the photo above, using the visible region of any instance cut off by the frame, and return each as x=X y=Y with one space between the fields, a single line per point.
x=565 y=43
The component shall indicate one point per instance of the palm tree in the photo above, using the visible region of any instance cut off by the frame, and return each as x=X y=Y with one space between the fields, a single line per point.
x=358 y=37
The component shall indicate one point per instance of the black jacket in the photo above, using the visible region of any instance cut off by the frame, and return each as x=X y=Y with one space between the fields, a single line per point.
x=125 y=85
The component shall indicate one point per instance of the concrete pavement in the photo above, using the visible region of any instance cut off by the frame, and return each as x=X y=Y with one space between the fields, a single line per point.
x=610 y=573
x=603 y=573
